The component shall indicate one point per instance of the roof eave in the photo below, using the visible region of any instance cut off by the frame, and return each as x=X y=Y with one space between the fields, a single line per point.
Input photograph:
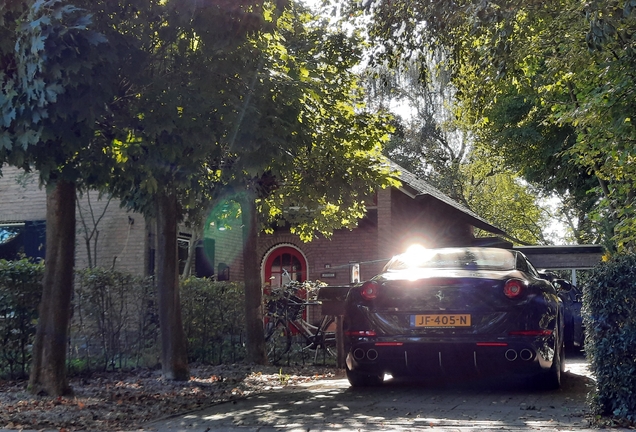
x=476 y=222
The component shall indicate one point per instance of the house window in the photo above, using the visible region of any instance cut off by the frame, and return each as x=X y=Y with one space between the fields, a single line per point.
x=224 y=272
x=204 y=258
x=283 y=265
x=11 y=240
x=20 y=239
x=183 y=252
x=10 y=231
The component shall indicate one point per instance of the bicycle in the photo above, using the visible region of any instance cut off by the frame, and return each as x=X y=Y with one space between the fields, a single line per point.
x=284 y=319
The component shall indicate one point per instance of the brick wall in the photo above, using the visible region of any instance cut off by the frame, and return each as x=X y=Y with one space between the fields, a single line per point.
x=329 y=259
x=428 y=222
x=21 y=198
x=122 y=236
x=389 y=228
x=228 y=249
x=119 y=242
x=324 y=256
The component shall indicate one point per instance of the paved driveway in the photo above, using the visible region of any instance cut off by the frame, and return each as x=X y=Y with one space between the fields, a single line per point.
x=331 y=405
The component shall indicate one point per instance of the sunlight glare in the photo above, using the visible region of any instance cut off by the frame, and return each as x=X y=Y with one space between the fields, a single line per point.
x=415 y=249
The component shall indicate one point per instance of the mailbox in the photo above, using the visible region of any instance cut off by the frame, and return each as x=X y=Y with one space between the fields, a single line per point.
x=332 y=299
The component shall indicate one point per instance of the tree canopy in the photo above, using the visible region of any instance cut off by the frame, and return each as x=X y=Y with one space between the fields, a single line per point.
x=175 y=123
x=433 y=142
x=55 y=85
x=128 y=114
x=305 y=152
x=547 y=85
x=56 y=81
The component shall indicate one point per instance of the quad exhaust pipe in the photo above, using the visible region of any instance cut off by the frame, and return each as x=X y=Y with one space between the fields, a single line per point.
x=360 y=354
x=525 y=355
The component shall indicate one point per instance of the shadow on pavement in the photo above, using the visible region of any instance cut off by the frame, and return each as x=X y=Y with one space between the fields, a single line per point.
x=401 y=404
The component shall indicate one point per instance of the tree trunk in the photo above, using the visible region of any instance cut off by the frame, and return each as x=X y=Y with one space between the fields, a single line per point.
x=174 y=356
x=253 y=289
x=48 y=369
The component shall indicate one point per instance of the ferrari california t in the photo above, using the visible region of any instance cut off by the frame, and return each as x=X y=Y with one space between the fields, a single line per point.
x=455 y=312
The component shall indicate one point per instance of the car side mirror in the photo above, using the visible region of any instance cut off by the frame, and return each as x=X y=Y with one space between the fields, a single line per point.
x=562 y=284
x=546 y=275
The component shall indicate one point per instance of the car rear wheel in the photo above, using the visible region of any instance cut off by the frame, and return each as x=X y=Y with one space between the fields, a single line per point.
x=358 y=379
x=552 y=379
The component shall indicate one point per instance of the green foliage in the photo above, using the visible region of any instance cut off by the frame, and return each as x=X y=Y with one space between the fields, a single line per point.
x=54 y=86
x=546 y=85
x=56 y=82
x=311 y=154
x=479 y=180
x=502 y=199
x=20 y=292
x=434 y=142
x=283 y=378
x=610 y=301
x=213 y=319
x=513 y=111
x=191 y=77
x=298 y=140
x=114 y=322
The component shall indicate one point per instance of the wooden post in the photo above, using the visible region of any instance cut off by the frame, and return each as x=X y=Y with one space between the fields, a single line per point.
x=340 y=356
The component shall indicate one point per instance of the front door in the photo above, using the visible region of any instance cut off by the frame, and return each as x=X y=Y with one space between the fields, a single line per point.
x=283 y=265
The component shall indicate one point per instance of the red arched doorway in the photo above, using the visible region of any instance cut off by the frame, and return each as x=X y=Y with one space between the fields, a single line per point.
x=284 y=264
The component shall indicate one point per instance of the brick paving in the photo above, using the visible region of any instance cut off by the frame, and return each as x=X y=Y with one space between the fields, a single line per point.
x=331 y=405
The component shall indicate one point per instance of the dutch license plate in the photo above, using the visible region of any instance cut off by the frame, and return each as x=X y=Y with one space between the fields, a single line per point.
x=441 y=320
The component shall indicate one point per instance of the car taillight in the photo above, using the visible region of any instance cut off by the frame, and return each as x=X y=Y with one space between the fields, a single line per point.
x=513 y=288
x=543 y=332
x=369 y=290
x=360 y=333
x=492 y=344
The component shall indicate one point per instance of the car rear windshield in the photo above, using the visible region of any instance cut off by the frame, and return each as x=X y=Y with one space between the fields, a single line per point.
x=454 y=258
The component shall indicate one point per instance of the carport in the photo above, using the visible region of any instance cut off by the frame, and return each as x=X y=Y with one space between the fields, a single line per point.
x=575 y=257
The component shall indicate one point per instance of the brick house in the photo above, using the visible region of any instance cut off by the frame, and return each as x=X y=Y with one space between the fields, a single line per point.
x=413 y=212
x=122 y=241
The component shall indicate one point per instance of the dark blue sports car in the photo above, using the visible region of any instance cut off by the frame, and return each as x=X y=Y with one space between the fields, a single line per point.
x=455 y=311
x=572 y=297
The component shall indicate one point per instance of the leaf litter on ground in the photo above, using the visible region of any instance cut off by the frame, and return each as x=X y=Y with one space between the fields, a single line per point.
x=109 y=401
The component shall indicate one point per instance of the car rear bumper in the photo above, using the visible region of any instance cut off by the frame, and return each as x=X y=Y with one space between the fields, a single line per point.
x=430 y=359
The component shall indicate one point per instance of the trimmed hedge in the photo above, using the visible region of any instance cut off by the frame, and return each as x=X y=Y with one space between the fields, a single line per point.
x=20 y=292
x=114 y=322
x=610 y=320
x=213 y=320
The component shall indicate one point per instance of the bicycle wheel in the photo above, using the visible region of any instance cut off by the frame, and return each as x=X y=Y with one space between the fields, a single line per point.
x=323 y=338
x=278 y=340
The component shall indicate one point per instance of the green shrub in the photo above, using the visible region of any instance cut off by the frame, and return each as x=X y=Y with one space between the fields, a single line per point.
x=114 y=323
x=610 y=302
x=20 y=292
x=214 y=320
